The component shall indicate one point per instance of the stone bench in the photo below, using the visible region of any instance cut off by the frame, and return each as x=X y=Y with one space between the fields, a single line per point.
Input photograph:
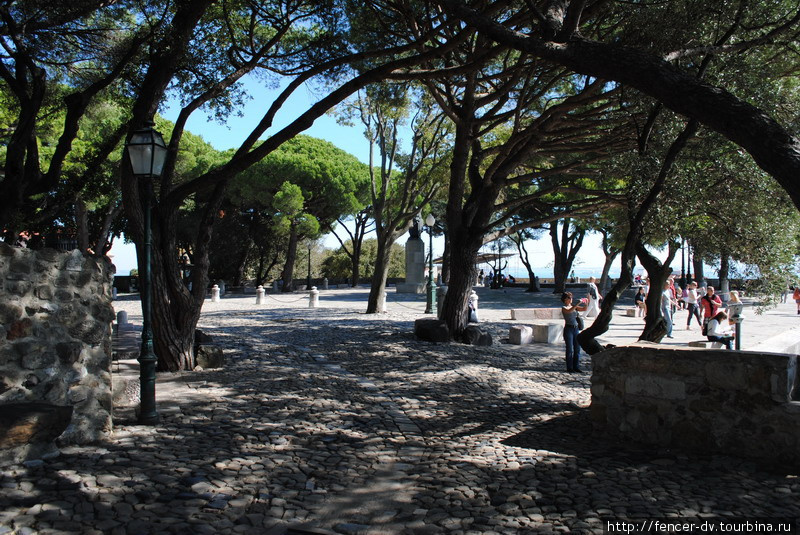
x=705 y=344
x=544 y=332
x=630 y=312
x=528 y=314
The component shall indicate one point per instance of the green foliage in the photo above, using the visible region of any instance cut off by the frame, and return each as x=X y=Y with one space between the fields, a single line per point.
x=338 y=266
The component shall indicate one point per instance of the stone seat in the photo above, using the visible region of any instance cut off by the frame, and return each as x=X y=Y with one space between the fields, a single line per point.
x=705 y=344
x=528 y=314
x=630 y=312
x=546 y=332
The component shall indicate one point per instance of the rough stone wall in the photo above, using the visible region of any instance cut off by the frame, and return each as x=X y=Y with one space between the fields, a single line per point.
x=733 y=402
x=55 y=335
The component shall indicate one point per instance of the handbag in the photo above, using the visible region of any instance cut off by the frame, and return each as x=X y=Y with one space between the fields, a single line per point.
x=579 y=319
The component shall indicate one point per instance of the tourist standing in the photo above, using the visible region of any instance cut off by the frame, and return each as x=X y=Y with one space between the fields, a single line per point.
x=692 y=306
x=571 y=330
x=666 y=307
x=641 y=302
x=710 y=304
x=594 y=298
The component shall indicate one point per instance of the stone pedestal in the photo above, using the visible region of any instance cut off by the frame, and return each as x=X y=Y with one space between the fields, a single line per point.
x=415 y=268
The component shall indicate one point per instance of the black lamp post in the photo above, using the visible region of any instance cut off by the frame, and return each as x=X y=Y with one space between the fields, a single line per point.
x=308 y=280
x=147 y=152
x=430 y=305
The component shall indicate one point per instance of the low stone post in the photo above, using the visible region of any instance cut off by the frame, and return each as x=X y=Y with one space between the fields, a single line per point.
x=260 y=295
x=313 y=300
x=114 y=293
x=215 y=294
x=325 y=283
x=441 y=291
x=385 y=299
x=122 y=320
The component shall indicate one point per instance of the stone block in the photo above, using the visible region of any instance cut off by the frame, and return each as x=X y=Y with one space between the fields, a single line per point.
x=630 y=312
x=431 y=330
x=474 y=336
x=706 y=344
x=520 y=335
x=26 y=423
x=528 y=314
x=9 y=313
x=548 y=333
x=209 y=356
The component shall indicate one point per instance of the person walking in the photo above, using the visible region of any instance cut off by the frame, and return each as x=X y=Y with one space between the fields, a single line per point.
x=692 y=306
x=594 y=298
x=796 y=296
x=571 y=330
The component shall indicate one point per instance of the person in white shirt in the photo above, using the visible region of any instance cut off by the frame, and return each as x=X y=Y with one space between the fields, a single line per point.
x=716 y=331
x=593 y=309
x=691 y=305
x=666 y=307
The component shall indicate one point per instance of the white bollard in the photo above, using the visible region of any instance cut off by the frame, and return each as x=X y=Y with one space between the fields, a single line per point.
x=325 y=283
x=473 y=304
x=215 y=294
x=385 y=298
x=260 y=295
x=313 y=301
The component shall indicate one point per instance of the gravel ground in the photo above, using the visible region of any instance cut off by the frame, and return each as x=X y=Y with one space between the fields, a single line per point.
x=331 y=419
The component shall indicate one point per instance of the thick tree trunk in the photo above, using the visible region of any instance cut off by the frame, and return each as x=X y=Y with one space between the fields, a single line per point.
x=455 y=308
x=291 y=256
x=377 y=289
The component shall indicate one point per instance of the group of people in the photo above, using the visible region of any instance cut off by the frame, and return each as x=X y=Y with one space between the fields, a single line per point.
x=705 y=308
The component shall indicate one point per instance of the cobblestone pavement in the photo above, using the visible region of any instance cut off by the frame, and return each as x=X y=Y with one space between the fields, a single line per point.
x=331 y=419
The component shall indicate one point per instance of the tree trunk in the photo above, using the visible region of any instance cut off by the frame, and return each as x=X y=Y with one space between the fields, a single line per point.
x=604 y=278
x=697 y=265
x=377 y=290
x=724 y=272
x=588 y=337
x=291 y=255
x=564 y=253
x=655 y=326
x=356 y=260
x=455 y=308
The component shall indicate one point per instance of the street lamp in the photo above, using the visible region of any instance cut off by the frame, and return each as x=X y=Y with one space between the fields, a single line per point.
x=147 y=152
x=308 y=280
x=430 y=305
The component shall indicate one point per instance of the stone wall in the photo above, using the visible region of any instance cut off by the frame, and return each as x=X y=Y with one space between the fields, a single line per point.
x=733 y=402
x=55 y=336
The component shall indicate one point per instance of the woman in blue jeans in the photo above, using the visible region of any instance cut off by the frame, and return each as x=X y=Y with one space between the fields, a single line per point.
x=571 y=330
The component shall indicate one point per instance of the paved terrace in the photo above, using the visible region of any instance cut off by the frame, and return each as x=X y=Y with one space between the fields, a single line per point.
x=331 y=419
